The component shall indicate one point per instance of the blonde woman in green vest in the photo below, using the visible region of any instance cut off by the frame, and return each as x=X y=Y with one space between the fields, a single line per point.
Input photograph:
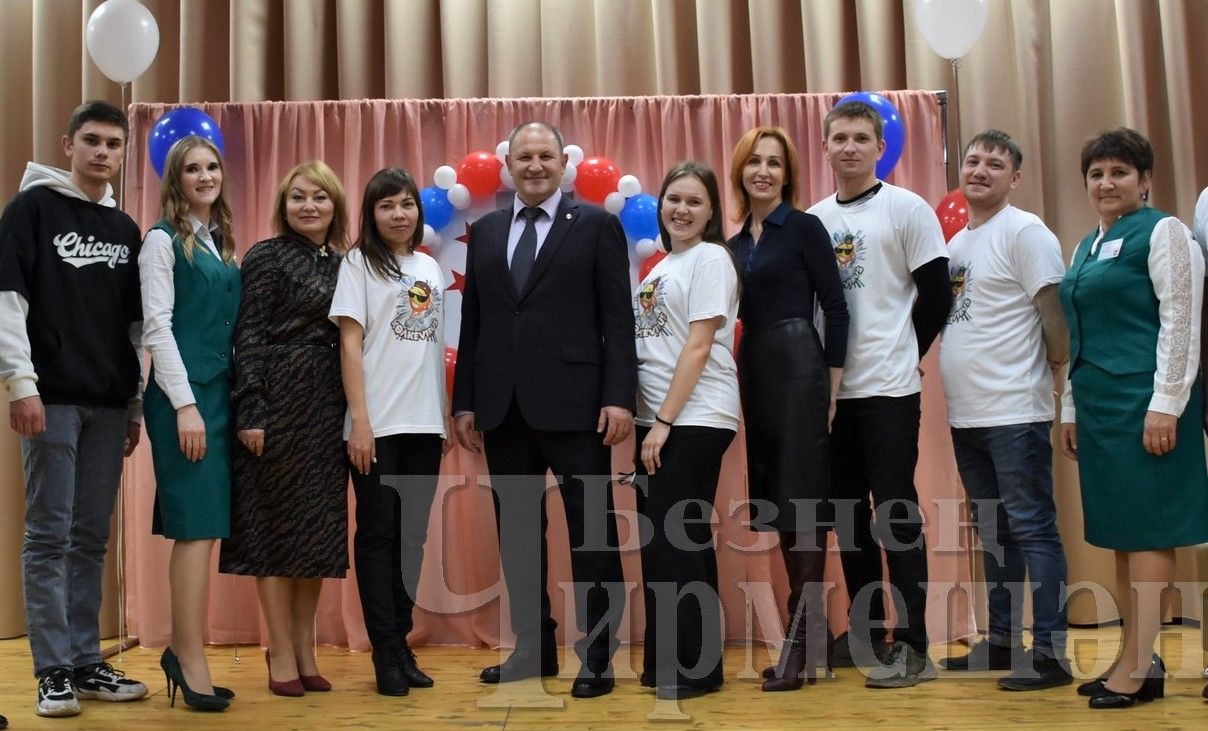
x=1132 y=297
x=190 y=292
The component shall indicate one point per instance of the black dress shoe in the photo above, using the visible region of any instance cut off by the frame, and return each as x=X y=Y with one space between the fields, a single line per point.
x=416 y=678
x=682 y=692
x=590 y=685
x=522 y=664
x=646 y=680
x=1095 y=687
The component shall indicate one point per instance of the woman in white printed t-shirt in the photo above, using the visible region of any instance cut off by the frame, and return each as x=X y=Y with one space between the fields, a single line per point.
x=687 y=416
x=388 y=305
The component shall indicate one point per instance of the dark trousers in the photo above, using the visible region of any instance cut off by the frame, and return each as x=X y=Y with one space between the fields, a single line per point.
x=679 y=565
x=518 y=457
x=874 y=449
x=393 y=504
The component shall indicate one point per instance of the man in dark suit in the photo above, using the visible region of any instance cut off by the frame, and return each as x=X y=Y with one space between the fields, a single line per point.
x=546 y=380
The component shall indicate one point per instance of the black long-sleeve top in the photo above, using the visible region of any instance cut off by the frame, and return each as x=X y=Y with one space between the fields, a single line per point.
x=792 y=265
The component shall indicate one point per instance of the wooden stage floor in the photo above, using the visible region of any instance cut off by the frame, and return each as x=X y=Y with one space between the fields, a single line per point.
x=459 y=702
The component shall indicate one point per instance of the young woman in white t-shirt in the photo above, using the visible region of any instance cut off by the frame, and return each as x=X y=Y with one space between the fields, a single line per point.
x=684 y=312
x=388 y=305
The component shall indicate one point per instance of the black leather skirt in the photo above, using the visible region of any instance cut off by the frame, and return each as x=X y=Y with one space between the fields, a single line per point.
x=785 y=387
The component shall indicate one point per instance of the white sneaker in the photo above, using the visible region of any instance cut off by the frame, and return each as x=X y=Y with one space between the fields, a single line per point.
x=102 y=683
x=56 y=695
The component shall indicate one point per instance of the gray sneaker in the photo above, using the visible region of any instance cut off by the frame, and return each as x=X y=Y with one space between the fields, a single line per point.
x=903 y=668
x=56 y=695
x=104 y=683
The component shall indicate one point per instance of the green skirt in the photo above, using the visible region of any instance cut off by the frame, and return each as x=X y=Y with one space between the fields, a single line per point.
x=1131 y=499
x=192 y=499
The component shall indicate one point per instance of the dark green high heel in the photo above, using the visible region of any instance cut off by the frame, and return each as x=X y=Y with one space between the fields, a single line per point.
x=176 y=679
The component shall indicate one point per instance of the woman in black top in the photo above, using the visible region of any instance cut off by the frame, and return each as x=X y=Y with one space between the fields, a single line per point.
x=788 y=380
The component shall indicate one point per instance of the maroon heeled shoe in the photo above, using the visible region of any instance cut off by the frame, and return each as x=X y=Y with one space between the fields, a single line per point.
x=316 y=683
x=289 y=688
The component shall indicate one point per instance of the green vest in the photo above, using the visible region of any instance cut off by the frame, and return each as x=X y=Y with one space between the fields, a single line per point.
x=1109 y=301
x=203 y=314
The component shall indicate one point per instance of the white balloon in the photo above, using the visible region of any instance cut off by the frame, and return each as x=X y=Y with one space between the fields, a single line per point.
x=574 y=153
x=505 y=177
x=629 y=186
x=122 y=38
x=645 y=247
x=951 y=27
x=572 y=172
x=501 y=151
x=459 y=196
x=429 y=236
x=614 y=202
x=444 y=177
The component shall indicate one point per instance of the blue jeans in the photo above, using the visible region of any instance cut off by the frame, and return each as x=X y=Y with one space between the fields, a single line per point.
x=72 y=473
x=1007 y=471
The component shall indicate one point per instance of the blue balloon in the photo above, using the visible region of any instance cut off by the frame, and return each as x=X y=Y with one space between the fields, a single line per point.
x=895 y=131
x=438 y=211
x=178 y=123
x=640 y=217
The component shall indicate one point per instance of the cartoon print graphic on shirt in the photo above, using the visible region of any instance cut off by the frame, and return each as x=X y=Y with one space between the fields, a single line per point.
x=415 y=316
x=650 y=315
x=849 y=254
x=960 y=294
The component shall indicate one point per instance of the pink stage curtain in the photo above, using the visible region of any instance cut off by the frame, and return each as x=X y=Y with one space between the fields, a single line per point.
x=459 y=593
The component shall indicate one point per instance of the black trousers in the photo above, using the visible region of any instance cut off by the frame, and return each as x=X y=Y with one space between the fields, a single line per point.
x=683 y=641
x=518 y=458
x=393 y=504
x=874 y=449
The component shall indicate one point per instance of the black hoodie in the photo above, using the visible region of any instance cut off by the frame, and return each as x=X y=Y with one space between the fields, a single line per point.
x=75 y=263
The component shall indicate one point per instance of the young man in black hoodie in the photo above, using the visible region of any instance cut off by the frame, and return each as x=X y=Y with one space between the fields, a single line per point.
x=70 y=325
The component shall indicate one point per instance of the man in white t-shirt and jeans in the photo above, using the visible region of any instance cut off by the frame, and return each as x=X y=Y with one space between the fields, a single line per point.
x=1005 y=337
x=894 y=268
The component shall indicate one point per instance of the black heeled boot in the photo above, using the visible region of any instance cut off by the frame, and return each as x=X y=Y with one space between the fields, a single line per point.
x=808 y=643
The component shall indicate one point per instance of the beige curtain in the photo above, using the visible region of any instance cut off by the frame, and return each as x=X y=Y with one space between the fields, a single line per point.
x=1050 y=72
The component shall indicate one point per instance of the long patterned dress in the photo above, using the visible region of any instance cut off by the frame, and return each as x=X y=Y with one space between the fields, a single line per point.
x=289 y=507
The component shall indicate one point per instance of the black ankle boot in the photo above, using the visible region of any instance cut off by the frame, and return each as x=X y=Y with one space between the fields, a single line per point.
x=388 y=672
x=416 y=678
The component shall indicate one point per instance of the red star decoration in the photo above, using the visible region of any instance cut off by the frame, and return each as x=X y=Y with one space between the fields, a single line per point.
x=465 y=238
x=459 y=282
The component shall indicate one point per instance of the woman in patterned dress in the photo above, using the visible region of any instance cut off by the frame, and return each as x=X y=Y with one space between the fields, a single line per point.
x=1132 y=298
x=289 y=518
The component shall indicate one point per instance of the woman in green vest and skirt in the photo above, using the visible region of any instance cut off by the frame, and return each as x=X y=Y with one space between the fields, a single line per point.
x=190 y=292
x=1132 y=297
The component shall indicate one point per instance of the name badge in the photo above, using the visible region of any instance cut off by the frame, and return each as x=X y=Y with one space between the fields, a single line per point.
x=1110 y=249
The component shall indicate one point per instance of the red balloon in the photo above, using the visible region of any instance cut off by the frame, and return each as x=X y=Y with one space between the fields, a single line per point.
x=649 y=263
x=596 y=177
x=424 y=250
x=479 y=172
x=450 y=366
x=953 y=212
x=737 y=336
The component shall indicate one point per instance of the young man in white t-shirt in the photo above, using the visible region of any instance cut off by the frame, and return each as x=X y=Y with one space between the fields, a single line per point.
x=1005 y=336
x=894 y=269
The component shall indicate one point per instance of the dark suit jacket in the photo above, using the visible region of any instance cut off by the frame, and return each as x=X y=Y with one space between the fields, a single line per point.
x=564 y=347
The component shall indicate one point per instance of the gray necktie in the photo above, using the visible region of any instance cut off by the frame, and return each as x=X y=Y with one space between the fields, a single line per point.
x=526 y=247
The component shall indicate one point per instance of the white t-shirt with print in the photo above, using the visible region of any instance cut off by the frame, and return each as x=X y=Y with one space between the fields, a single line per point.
x=878 y=242
x=404 y=346
x=992 y=355
x=698 y=284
